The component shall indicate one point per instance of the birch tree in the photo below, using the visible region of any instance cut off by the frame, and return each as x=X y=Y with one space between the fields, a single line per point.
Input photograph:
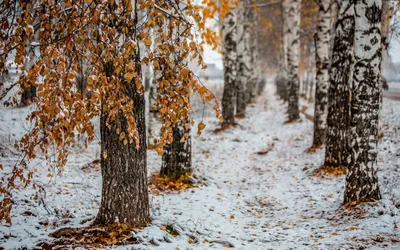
x=255 y=78
x=322 y=40
x=243 y=64
x=361 y=177
x=336 y=151
x=386 y=16
x=229 y=43
x=281 y=78
x=293 y=56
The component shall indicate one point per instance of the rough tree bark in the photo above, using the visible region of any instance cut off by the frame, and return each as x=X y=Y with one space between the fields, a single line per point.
x=244 y=59
x=230 y=67
x=177 y=157
x=361 y=178
x=339 y=87
x=123 y=167
x=293 y=56
x=322 y=38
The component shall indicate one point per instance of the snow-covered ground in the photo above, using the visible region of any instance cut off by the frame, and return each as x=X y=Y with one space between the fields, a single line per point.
x=251 y=201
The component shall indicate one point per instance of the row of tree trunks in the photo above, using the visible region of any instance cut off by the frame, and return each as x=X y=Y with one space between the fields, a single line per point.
x=322 y=40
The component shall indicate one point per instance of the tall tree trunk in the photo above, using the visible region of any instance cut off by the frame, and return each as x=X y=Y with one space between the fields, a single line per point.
x=386 y=4
x=281 y=78
x=154 y=113
x=339 y=88
x=255 y=64
x=293 y=55
x=244 y=59
x=27 y=87
x=230 y=67
x=123 y=167
x=322 y=65
x=177 y=157
x=361 y=178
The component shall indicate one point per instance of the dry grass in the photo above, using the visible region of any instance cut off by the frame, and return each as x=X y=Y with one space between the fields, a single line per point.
x=161 y=184
x=313 y=149
x=289 y=121
x=223 y=128
x=326 y=171
x=91 y=237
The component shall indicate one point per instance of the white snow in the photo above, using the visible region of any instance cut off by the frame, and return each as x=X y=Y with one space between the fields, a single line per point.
x=251 y=201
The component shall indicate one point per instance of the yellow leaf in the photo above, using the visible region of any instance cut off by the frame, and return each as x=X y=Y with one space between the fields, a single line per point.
x=200 y=127
x=130 y=75
x=147 y=42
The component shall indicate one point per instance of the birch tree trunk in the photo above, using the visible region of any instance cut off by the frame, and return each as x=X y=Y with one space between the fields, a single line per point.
x=361 y=178
x=254 y=78
x=322 y=66
x=154 y=112
x=385 y=57
x=339 y=88
x=281 y=78
x=230 y=67
x=28 y=89
x=243 y=30
x=124 y=167
x=293 y=56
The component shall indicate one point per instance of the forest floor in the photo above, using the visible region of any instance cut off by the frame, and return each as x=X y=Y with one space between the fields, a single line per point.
x=259 y=191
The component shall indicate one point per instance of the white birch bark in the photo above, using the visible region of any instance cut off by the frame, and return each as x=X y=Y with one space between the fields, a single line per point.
x=361 y=177
x=242 y=60
x=386 y=4
x=281 y=78
x=293 y=56
x=336 y=151
x=322 y=67
x=255 y=73
x=230 y=66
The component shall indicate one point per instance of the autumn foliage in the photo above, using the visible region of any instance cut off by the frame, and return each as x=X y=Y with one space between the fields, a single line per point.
x=105 y=43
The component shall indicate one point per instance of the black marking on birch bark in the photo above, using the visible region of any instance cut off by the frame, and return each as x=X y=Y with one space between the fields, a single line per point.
x=373 y=14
